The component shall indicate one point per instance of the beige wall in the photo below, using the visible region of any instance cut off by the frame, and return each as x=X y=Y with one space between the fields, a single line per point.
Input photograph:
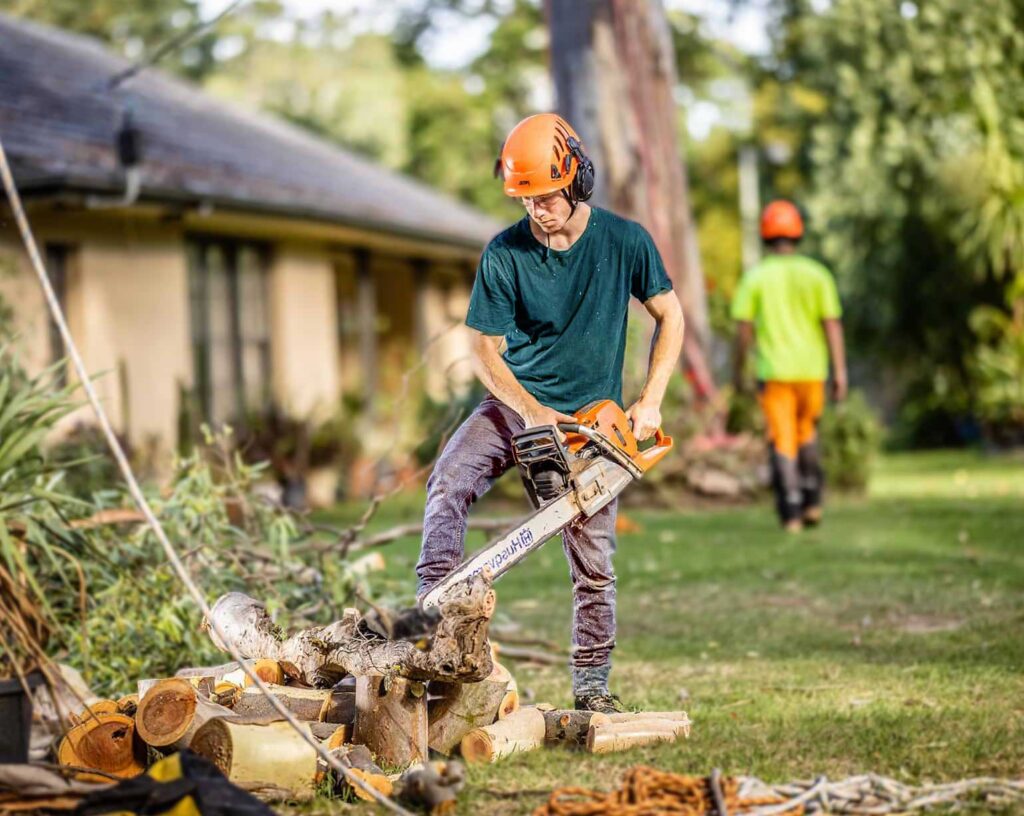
x=304 y=330
x=129 y=311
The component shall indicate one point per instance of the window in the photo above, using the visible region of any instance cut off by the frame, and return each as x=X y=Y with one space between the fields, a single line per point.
x=57 y=270
x=230 y=327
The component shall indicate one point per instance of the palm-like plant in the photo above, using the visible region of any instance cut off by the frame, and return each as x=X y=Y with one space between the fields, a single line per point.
x=37 y=551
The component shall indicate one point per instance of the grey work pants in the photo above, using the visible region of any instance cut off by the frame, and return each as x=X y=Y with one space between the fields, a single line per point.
x=478 y=453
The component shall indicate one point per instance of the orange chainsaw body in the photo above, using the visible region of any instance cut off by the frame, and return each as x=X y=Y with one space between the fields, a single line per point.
x=608 y=419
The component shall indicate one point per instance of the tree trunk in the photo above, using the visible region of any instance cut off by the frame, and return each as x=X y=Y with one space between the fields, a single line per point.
x=321 y=656
x=615 y=76
x=522 y=731
x=391 y=719
x=270 y=760
x=461 y=707
x=104 y=742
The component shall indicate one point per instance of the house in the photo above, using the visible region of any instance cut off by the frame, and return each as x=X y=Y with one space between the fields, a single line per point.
x=203 y=249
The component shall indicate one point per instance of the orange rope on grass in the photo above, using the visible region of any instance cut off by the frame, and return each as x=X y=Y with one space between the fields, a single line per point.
x=647 y=791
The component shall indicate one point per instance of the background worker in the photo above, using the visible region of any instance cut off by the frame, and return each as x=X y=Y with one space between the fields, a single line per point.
x=554 y=288
x=789 y=304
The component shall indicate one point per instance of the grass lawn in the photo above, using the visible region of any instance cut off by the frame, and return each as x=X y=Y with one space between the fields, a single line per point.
x=889 y=640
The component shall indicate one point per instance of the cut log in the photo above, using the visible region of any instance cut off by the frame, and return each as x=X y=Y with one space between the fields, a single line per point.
x=315 y=705
x=341 y=735
x=204 y=684
x=320 y=656
x=510 y=700
x=128 y=705
x=610 y=737
x=570 y=727
x=521 y=731
x=391 y=719
x=265 y=759
x=461 y=707
x=680 y=718
x=173 y=711
x=269 y=671
x=104 y=742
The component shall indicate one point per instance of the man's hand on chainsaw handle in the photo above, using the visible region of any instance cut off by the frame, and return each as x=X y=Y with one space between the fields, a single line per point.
x=494 y=373
x=542 y=415
x=646 y=419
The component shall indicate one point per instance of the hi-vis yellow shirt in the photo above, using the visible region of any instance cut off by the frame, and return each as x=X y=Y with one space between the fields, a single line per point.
x=786 y=297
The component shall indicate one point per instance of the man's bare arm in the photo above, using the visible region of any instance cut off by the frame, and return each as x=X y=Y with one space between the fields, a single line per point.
x=497 y=378
x=744 y=340
x=665 y=348
x=837 y=351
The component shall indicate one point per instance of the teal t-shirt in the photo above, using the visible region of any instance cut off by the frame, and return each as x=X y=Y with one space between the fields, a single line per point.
x=563 y=313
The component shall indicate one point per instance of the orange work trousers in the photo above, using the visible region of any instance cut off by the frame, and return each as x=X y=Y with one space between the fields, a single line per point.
x=791 y=411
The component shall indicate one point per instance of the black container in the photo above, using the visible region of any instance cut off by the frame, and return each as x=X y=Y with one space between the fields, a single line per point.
x=16 y=718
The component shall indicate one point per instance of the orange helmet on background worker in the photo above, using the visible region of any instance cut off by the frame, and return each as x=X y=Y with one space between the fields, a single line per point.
x=542 y=155
x=781 y=220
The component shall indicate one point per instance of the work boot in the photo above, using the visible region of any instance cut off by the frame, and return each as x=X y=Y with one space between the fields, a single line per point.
x=793 y=526
x=603 y=703
x=812 y=516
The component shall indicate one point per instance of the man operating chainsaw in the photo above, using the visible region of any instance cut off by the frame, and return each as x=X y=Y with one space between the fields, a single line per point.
x=548 y=313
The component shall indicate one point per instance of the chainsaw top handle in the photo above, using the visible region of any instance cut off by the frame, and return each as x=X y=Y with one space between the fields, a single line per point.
x=645 y=459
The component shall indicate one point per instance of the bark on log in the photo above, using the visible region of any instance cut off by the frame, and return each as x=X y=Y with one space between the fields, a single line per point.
x=322 y=655
x=680 y=718
x=173 y=711
x=522 y=731
x=570 y=728
x=610 y=737
x=105 y=742
x=461 y=707
x=391 y=719
x=266 y=759
x=316 y=705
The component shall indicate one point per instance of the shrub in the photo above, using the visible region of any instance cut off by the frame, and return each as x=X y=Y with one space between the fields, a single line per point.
x=849 y=435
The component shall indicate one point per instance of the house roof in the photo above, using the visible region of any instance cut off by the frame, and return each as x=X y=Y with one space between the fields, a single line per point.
x=58 y=123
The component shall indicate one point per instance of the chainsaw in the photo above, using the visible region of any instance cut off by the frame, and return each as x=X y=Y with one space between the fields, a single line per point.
x=567 y=481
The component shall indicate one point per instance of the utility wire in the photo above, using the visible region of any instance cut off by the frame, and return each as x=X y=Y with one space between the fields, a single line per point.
x=28 y=238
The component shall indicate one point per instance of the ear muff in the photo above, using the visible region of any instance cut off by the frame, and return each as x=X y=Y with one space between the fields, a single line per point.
x=582 y=186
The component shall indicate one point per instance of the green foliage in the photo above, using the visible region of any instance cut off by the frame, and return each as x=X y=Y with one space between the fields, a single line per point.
x=903 y=120
x=849 y=437
x=39 y=557
x=997 y=365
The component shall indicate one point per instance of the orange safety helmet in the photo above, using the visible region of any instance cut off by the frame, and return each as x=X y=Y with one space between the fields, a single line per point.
x=543 y=154
x=781 y=219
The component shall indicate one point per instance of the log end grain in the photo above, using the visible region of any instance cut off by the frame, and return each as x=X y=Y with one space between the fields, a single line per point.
x=166 y=712
x=105 y=742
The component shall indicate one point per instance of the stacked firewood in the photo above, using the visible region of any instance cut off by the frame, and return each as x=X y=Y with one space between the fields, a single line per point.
x=380 y=696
